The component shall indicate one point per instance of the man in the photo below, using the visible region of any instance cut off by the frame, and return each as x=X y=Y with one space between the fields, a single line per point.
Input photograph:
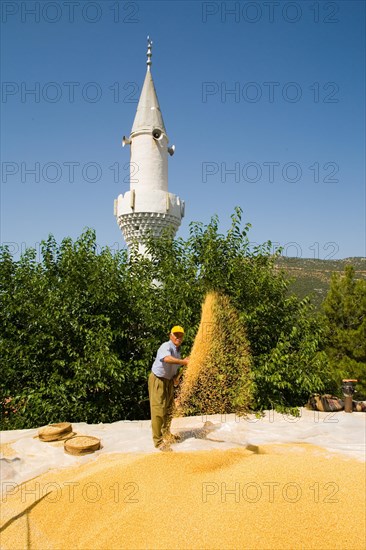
x=163 y=376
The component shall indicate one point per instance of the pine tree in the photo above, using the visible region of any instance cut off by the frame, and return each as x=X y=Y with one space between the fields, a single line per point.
x=345 y=314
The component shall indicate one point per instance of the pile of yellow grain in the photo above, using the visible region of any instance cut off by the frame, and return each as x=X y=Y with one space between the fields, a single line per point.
x=217 y=379
x=286 y=499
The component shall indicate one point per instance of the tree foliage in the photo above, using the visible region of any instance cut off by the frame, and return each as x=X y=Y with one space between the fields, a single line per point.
x=79 y=329
x=70 y=342
x=345 y=313
x=284 y=334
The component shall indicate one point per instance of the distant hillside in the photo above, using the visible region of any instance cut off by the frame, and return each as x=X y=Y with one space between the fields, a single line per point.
x=312 y=277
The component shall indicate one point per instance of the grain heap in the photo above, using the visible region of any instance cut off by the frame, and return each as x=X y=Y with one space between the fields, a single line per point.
x=293 y=497
x=217 y=379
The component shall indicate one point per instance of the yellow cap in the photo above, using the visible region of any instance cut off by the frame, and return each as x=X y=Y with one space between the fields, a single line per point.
x=177 y=328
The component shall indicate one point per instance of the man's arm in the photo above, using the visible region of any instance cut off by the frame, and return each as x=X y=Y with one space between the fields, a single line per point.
x=174 y=361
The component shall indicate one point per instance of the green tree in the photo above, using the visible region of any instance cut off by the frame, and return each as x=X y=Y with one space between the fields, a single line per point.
x=70 y=342
x=80 y=328
x=285 y=335
x=345 y=313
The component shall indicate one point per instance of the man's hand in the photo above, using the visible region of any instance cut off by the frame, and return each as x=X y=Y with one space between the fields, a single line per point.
x=181 y=371
x=176 y=379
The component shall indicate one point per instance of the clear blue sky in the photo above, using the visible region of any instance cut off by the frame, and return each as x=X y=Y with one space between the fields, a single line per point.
x=292 y=131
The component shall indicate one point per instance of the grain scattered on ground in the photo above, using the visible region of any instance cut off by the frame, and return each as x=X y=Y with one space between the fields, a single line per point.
x=289 y=497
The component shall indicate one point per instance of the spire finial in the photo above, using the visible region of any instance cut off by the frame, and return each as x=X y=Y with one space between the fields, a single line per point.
x=149 y=54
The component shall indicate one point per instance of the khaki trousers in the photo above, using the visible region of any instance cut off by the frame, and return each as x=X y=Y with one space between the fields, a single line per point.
x=161 y=395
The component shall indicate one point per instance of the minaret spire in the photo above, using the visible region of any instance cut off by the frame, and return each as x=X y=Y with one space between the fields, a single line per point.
x=148 y=207
x=149 y=53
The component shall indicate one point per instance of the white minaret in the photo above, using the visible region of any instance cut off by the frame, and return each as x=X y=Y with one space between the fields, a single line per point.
x=148 y=206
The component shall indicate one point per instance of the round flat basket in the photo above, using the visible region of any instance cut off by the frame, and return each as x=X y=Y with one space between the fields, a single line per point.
x=82 y=445
x=54 y=432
